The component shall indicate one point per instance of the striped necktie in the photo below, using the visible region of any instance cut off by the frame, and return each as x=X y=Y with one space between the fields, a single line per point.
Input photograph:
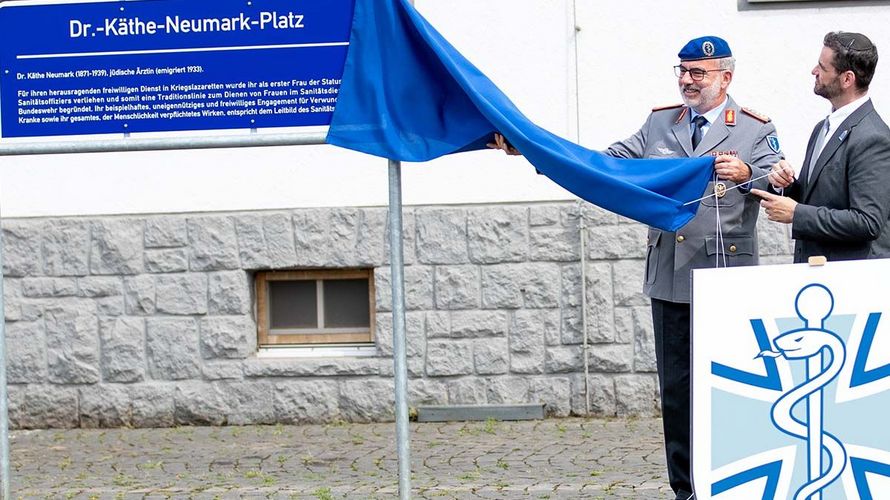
x=817 y=148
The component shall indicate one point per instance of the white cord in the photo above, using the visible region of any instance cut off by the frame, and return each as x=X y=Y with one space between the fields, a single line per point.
x=719 y=230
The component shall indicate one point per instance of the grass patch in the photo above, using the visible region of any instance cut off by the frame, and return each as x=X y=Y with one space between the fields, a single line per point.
x=471 y=476
x=323 y=493
x=490 y=426
x=150 y=465
x=123 y=480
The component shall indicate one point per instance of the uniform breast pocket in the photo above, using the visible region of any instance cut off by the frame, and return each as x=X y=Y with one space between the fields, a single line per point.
x=739 y=250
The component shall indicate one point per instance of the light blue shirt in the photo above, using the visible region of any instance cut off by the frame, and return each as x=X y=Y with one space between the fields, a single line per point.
x=711 y=116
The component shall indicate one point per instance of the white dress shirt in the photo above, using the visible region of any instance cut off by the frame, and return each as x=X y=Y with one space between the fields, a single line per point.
x=837 y=117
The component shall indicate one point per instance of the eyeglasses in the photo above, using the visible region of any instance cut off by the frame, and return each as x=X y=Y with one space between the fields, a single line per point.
x=697 y=74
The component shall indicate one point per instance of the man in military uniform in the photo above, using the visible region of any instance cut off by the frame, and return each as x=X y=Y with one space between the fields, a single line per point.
x=745 y=146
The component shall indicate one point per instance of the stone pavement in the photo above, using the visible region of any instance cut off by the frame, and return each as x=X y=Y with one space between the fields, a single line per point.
x=553 y=458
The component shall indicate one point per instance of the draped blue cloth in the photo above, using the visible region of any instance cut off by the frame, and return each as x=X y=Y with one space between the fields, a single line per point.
x=408 y=95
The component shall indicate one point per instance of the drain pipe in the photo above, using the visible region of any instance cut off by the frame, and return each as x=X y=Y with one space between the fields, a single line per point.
x=582 y=230
x=574 y=92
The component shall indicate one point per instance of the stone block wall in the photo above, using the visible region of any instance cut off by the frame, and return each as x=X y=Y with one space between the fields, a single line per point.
x=150 y=320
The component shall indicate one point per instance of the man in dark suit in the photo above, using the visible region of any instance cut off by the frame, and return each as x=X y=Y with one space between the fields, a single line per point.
x=839 y=205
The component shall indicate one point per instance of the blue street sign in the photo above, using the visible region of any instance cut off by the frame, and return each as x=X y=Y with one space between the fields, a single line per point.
x=170 y=65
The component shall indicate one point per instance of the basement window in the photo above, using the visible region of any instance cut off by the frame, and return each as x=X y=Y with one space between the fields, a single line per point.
x=331 y=307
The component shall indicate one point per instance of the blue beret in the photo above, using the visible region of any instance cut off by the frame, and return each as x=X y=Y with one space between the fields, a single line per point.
x=706 y=47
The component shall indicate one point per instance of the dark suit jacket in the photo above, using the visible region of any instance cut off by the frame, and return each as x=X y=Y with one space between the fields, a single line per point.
x=845 y=199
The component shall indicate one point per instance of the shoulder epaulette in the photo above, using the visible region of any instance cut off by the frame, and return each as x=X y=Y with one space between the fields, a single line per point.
x=757 y=116
x=682 y=114
x=662 y=108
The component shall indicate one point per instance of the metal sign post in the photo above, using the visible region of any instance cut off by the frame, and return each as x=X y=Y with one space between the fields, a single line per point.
x=4 y=402
x=398 y=327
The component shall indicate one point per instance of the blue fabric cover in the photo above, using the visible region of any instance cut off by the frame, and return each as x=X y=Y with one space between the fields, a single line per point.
x=408 y=95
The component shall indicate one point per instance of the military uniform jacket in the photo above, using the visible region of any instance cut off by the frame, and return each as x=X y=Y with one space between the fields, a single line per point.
x=671 y=257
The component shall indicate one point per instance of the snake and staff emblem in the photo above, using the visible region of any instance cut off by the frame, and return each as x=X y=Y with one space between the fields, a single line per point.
x=824 y=353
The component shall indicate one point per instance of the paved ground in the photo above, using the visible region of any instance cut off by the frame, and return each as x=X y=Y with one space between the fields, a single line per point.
x=554 y=458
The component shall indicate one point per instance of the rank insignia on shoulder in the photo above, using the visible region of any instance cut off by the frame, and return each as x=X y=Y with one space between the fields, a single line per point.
x=729 y=117
x=682 y=114
x=662 y=108
x=757 y=116
x=773 y=142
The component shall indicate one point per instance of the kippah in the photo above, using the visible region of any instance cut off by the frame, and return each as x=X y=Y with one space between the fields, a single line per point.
x=854 y=41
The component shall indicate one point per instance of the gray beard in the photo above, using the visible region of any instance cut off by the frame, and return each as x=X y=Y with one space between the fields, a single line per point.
x=707 y=95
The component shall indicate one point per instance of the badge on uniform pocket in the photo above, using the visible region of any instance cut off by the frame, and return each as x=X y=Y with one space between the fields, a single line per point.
x=730 y=152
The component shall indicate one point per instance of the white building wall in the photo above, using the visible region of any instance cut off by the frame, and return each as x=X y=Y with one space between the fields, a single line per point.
x=625 y=52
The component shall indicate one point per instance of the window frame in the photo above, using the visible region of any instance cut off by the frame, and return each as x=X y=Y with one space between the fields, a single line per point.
x=785 y=4
x=267 y=337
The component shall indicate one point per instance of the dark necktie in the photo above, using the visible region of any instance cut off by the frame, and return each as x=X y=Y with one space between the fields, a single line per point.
x=698 y=122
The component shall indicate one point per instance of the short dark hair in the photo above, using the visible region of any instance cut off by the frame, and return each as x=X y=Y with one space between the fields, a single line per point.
x=853 y=52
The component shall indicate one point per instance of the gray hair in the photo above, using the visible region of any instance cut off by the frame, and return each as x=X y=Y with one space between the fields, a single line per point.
x=727 y=63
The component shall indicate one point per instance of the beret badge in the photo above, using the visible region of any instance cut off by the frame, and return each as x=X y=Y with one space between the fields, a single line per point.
x=707 y=48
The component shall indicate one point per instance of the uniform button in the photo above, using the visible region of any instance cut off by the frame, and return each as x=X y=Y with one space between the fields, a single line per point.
x=732 y=248
x=680 y=238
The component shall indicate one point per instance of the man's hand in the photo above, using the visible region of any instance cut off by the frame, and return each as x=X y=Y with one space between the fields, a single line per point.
x=778 y=208
x=501 y=143
x=730 y=168
x=781 y=175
